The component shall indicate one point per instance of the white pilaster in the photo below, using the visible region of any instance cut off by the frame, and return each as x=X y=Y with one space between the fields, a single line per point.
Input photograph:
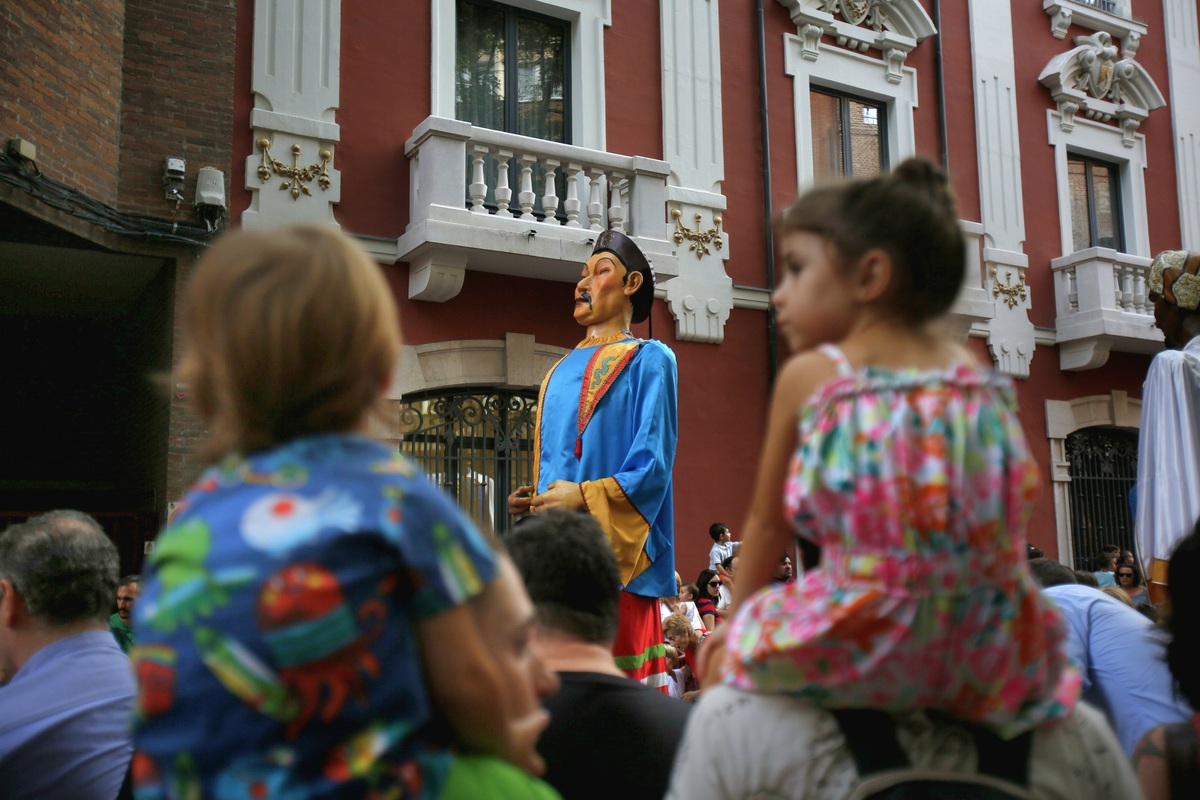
x=1183 y=69
x=295 y=74
x=1011 y=337
x=701 y=297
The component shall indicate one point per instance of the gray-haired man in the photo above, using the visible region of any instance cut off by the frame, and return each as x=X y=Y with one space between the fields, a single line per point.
x=64 y=729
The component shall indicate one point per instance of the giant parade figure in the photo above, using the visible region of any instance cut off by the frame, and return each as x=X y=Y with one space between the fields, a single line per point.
x=605 y=443
x=1169 y=441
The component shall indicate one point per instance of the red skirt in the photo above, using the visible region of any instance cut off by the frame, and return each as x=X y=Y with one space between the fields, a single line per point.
x=639 y=650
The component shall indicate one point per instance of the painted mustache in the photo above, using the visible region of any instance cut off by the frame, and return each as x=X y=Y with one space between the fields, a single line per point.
x=586 y=297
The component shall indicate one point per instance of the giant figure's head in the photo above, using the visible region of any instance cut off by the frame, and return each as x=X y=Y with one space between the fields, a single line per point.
x=1174 y=289
x=631 y=257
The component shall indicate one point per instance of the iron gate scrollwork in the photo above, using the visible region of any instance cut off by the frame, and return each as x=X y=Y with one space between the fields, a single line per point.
x=477 y=445
x=1103 y=471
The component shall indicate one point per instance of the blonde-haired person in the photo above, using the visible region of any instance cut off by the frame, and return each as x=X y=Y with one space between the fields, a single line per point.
x=679 y=632
x=307 y=607
x=1118 y=593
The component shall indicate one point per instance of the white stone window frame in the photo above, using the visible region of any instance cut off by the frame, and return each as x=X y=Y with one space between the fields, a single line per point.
x=1103 y=142
x=588 y=19
x=856 y=75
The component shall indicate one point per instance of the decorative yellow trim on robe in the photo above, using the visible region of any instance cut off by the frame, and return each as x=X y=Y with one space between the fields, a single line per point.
x=627 y=529
x=603 y=368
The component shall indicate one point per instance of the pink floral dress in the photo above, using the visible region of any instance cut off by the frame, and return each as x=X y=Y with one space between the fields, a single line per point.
x=918 y=486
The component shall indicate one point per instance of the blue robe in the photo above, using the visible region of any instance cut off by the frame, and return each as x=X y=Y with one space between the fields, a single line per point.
x=626 y=450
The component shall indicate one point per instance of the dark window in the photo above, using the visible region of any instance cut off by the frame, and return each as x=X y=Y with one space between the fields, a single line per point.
x=849 y=136
x=1095 y=203
x=531 y=100
x=475 y=444
x=1103 y=470
x=512 y=70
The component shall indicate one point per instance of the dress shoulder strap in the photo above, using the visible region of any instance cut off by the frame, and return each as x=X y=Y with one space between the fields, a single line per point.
x=835 y=354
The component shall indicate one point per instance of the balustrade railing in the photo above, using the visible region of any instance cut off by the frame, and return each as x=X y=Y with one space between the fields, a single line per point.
x=1104 y=5
x=1102 y=305
x=518 y=177
x=1101 y=279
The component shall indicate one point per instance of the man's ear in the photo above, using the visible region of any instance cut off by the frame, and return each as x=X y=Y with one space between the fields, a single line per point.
x=633 y=282
x=873 y=275
x=11 y=604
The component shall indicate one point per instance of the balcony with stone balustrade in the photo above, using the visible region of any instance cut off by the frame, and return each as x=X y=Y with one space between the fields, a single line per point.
x=465 y=214
x=1102 y=304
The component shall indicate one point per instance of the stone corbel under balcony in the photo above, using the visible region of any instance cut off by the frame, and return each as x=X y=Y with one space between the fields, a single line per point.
x=462 y=221
x=1100 y=296
x=1064 y=13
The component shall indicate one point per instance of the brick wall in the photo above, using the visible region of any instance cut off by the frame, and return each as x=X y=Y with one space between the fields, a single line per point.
x=177 y=98
x=60 y=66
x=186 y=432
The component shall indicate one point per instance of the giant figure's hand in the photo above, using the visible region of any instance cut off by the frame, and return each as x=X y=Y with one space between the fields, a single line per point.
x=560 y=494
x=518 y=501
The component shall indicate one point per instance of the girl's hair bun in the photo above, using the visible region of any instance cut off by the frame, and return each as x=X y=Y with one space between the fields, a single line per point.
x=929 y=180
x=910 y=213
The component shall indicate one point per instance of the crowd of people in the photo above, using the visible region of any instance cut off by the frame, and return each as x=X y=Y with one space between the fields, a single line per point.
x=318 y=620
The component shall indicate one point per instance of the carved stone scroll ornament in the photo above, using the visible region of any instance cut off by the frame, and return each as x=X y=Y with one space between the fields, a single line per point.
x=856 y=11
x=1090 y=80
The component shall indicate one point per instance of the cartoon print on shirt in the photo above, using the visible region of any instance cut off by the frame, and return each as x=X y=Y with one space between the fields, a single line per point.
x=188 y=589
x=279 y=522
x=316 y=640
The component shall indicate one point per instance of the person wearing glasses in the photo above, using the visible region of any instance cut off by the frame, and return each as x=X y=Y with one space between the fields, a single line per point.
x=710 y=594
x=1129 y=579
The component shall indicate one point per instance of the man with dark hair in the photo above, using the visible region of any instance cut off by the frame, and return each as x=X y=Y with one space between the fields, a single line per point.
x=64 y=728
x=1048 y=572
x=121 y=623
x=723 y=544
x=607 y=426
x=783 y=570
x=608 y=736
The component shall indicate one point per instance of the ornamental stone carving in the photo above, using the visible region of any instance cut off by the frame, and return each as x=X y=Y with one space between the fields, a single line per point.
x=892 y=27
x=1092 y=80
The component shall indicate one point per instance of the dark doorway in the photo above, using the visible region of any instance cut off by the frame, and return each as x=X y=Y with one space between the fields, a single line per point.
x=83 y=332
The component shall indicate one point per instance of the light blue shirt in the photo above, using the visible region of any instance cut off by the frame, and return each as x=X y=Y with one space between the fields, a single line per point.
x=64 y=721
x=1121 y=655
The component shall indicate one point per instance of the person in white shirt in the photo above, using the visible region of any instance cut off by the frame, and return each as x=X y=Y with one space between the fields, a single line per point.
x=723 y=544
x=727 y=569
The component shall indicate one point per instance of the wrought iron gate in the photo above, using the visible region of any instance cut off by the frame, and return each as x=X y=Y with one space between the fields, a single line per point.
x=1103 y=471
x=477 y=445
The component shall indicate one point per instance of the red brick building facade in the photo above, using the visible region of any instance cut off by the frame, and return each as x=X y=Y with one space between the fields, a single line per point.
x=651 y=116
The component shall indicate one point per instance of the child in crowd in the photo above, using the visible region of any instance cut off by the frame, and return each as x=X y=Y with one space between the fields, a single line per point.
x=679 y=633
x=723 y=544
x=307 y=606
x=904 y=461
